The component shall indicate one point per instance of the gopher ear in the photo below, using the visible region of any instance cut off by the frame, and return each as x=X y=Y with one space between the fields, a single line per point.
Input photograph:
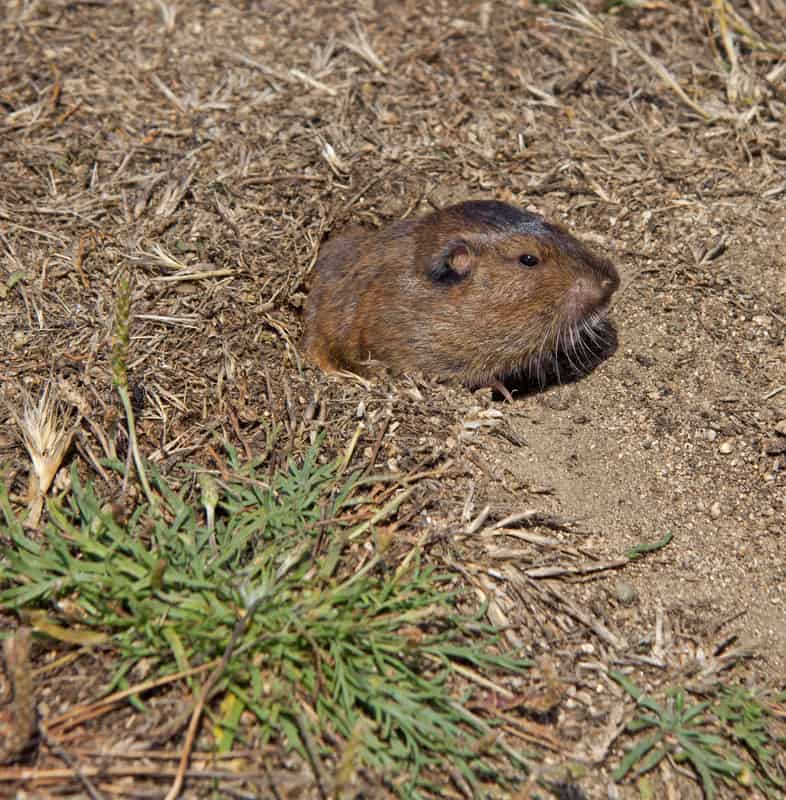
x=453 y=263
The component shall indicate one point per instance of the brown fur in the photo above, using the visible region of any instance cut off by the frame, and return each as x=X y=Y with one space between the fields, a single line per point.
x=447 y=294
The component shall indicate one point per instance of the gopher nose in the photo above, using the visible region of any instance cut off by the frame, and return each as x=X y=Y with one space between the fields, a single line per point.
x=587 y=295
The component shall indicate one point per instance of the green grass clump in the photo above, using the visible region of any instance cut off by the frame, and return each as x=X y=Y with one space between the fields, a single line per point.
x=729 y=738
x=348 y=660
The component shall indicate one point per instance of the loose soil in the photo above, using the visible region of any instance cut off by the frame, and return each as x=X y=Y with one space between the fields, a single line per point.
x=208 y=148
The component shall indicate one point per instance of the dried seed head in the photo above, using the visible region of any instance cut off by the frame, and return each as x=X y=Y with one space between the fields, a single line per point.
x=209 y=497
x=47 y=429
x=120 y=333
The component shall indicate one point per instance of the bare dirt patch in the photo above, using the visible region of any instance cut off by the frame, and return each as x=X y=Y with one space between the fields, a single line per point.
x=208 y=148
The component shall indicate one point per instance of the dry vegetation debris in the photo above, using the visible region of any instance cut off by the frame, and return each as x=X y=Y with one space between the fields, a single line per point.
x=205 y=150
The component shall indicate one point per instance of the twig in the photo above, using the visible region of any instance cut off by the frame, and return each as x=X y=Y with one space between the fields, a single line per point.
x=720 y=10
x=383 y=426
x=35 y=774
x=594 y=624
x=71 y=762
x=532 y=517
x=237 y=633
x=477 y=523
x=581 y=569
x=317 y=767
x=475 y=677
x=313 y=82
x=76 y=715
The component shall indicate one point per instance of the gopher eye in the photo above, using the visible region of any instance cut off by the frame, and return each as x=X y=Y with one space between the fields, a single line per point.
x=528 y=260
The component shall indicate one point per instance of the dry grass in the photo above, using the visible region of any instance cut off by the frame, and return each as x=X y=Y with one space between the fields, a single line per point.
x=47 y=430
x=206 y=150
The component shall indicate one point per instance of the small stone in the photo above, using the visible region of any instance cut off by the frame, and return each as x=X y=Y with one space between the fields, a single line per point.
x=780 y=428
x=625 y=593
x=775 y=446
x=644 y=360
x=715 y=510
x=726 y=447
x=711 y=435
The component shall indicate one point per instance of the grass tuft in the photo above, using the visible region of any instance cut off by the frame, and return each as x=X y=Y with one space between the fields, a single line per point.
x=343 y=657
x=729 y=739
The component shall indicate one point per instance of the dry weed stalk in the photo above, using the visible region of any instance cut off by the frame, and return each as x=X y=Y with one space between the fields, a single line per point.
x=360 y=46
x=120 y=339
x=752 y=39
x=158 y=256
x=741 y=86
x=168 y=15
x=47 y=429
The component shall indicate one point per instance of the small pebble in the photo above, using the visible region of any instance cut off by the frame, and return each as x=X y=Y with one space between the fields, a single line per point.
x=780 y=428
x=726 y=447
x=715 y=510
x=645 y=360
x=775 y=446
x=711 y=435
x=625 y=593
